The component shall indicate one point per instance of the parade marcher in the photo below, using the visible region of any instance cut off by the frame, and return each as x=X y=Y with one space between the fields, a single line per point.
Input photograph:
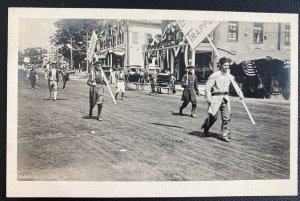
x=216 y=94
x=65 y=76
x=152 y=80
x=53 y=80
x=96 y=83
x=173 y=80
x=190 y=85
x=120 y=78
x=32 y=77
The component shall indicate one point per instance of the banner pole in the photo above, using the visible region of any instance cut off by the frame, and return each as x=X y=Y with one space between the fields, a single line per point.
x=108 y=86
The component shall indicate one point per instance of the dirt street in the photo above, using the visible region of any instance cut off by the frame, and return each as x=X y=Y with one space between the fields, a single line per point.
x=143 y=139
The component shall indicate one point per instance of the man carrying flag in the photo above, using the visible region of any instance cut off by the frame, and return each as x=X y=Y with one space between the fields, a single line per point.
x=96 y=83
x=216 y=94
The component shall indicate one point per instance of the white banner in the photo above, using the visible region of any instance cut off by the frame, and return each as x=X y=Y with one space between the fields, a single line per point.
x=92 y=47
x=196 y=31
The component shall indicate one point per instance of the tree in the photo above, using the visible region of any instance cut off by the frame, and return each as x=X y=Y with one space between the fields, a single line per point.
x=79 y=30
x=34 y=53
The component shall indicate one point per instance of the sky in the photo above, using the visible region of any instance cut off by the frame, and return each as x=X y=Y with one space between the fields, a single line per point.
x=35 y=32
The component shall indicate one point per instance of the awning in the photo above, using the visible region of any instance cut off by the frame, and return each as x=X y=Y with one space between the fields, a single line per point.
x=119 y=53
x=261 y=54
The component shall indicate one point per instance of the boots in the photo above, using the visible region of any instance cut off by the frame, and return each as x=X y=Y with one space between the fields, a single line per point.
x=122 y=95
x=180 y=111
x=193 y=111
x=91 y=112
x=55 y=95
x=116 y=95
x=99 y=112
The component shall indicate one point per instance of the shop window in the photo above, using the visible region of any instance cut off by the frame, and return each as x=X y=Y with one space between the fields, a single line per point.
x=233 y=31
x=135 y=38
x=258 y=32
x=287 y=35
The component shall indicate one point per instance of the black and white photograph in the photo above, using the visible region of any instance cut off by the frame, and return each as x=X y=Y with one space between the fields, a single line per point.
x=145 y=103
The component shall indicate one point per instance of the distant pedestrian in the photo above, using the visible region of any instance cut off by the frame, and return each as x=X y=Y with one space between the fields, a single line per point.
x=65 y=76
x=172 y=81
x=120 y=78
x=216 y=94
x=96 y=83
x=152 y=80
x=32 y=77
x=190 y=85
x=53 y=80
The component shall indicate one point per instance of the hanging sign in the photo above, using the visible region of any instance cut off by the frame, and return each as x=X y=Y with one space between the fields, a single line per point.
x=196 y=31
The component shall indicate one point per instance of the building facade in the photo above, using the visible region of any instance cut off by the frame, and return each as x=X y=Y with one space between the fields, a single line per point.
x=121 y=44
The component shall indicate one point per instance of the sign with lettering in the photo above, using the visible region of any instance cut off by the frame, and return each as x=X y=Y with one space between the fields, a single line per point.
x=92 y=47
x=196 y=31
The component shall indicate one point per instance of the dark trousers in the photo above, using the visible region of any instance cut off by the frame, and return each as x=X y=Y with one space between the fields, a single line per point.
x=185 y=103
x=32 y=82
x=225 y=115
x=99 y=109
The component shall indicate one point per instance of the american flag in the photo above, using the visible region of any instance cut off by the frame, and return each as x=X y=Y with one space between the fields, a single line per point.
x=249 y=68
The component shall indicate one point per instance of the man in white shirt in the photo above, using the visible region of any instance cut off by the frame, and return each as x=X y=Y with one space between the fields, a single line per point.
x=216 y=95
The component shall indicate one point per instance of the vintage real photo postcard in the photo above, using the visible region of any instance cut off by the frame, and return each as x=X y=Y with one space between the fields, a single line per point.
x=151 y=103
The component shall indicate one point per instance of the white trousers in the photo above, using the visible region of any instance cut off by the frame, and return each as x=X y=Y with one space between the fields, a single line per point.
x=120 y=87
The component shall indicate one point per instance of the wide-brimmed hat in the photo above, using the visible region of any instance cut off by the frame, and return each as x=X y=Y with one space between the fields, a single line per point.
x=190 y=66
x=97 y=62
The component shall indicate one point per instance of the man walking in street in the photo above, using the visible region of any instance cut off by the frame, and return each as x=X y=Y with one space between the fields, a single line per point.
x=120 y=78
x=32 y=77
x=216 y=94
x=152 y=80
x=173 y=81
x=190 y=85
x=53 y=80
x=65 y=76
x=96 y=83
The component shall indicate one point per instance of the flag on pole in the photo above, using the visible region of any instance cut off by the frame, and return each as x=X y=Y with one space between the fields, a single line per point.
x=92 y=46
x=249 y=68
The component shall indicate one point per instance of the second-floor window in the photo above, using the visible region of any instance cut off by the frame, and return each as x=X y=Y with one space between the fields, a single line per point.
x=233 y=31
x=287 y=35
x=135 y=38
x=258 y=32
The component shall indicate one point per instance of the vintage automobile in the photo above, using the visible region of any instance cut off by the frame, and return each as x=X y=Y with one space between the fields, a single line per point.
x=134 y=75
x=163 y=81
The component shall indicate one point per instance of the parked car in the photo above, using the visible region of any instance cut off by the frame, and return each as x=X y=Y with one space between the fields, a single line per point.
x=134 y=75
x=163 y=80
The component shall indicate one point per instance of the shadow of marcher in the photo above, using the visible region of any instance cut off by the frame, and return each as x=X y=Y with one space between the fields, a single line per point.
x=177 y=114
x=87 y=117
x=58 y=99
x=201 y=134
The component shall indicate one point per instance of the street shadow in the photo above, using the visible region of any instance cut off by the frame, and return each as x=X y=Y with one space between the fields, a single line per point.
x=167 y=125
x=177 y=114
x=87 y=117
x=59 y=99
x=201 y=134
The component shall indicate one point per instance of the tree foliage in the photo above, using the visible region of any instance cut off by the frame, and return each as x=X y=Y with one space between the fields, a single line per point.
x=79 y=30
x=35 y=54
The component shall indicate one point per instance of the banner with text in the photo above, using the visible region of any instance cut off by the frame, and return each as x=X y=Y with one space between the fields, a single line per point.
x=92 y=47
x=196 y=31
